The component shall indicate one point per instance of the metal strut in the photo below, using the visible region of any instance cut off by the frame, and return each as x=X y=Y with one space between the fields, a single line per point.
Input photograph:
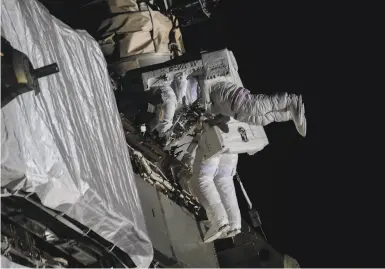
x=253 y=213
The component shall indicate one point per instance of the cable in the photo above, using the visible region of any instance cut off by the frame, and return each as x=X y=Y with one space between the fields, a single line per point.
x=90 y=3
x=254 y=215
x=157 y=168
x=263 y=233
x=244 y=191
x=204 y=9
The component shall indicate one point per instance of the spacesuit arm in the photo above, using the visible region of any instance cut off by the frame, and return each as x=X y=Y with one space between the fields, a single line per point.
x=179 y=84
x=166 y=110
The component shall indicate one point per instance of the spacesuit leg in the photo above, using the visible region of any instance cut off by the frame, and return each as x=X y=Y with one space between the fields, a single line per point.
x=271 y=108
x=260 y=105
x=276 y=116
x=203 y=187
x=166 y=111
x=225 y=186
x=258 y=109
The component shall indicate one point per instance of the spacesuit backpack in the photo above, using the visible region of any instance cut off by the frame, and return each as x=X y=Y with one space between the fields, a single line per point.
x=239 y=137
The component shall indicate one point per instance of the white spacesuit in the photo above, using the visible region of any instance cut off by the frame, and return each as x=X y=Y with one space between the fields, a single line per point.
x=175 y=94
x=212 y=180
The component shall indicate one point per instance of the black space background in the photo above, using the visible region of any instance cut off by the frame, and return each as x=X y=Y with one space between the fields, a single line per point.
x=302 y=187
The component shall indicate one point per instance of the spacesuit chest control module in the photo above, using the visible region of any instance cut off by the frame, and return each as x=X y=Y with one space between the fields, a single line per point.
x=211 y=69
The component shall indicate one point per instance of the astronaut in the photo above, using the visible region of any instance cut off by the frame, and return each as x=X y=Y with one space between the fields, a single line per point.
x=212 y=180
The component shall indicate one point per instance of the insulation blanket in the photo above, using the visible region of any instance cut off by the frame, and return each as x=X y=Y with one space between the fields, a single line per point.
x=67 y=143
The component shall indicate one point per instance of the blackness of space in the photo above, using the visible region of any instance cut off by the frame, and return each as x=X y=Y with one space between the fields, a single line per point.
x=292 y=182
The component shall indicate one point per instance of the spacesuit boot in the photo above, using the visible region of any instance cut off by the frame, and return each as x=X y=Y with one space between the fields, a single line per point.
x=290 y=262
x=215 y=233
x=303 y=127
x=297 y=110
x=230 y=233
x=216 y=229
x=233 y=233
